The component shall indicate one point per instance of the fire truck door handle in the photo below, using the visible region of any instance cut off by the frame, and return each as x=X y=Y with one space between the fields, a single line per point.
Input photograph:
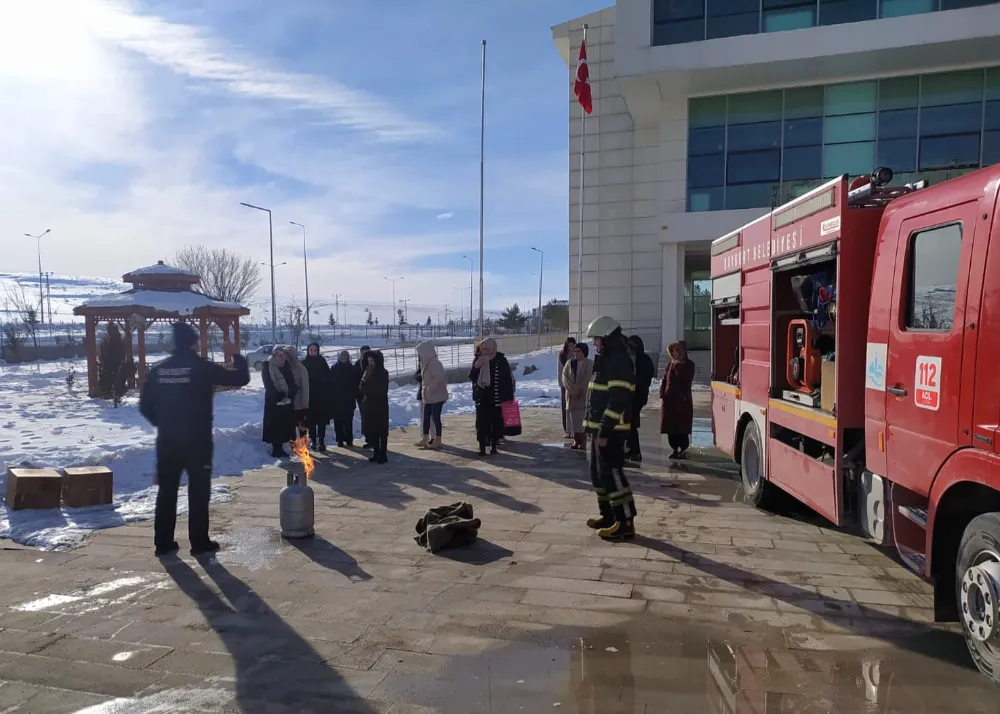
x=896 y=391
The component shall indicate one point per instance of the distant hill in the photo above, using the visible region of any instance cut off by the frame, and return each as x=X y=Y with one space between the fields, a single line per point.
x=67 y=291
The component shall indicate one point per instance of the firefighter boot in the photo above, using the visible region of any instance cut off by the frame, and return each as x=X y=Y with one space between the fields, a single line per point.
x=619 y=530
x=600 y=523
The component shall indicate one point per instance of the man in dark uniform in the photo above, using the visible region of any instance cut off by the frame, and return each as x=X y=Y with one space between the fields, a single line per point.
x=609 y=410
x=359 y=372
x=643 y=378
x=177 y=400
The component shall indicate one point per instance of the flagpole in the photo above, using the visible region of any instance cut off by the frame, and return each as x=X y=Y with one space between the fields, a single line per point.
x=579 y=257
x=482 y=154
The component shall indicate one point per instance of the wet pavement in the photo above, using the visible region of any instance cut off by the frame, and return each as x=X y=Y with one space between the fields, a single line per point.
x=714 y=608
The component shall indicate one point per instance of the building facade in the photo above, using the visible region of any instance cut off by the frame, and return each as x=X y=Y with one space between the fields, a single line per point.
x=709 y=112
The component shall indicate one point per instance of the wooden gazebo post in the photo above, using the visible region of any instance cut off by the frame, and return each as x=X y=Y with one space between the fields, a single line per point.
x=203 y=331
x=90 y=347
x=142 y=353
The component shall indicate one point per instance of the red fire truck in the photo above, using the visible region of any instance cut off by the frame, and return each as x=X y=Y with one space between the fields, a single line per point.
x=848 y=325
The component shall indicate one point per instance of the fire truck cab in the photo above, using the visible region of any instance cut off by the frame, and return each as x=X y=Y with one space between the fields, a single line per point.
x=847 y=329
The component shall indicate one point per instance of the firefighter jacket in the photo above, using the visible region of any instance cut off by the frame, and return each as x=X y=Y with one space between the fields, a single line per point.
x=609 y=395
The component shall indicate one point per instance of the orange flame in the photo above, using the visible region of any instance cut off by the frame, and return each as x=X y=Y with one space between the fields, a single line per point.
x=301 y=449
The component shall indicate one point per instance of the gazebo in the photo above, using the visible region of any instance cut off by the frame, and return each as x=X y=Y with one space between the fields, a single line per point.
x=159 y=293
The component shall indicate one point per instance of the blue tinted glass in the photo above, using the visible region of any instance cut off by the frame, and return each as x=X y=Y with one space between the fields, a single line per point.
x=705 y=199
x=900 y=155
x=706 y=170
x=706 y=141
x=852 y=159
x=707 y=111
x=803 y=132
x=753 y=167
x=752 y=195
x=963 y=87
x=991 y=147
x=803 y=102
x=955 y=4
x=746 y=137
x=898 y=123
x=789 y=19
x=942 y=152
x=733 y=25
x=849 y=128
x=992 y=118
x=853 y=98
x=898 y=8
x=802 y=162
x=898 y=93
x=955 y=119
x=667 y=10
x=836 y=12
x=754 y=107
x=679 y=32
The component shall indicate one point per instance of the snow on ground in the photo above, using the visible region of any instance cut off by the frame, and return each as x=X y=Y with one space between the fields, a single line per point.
x=44 y=423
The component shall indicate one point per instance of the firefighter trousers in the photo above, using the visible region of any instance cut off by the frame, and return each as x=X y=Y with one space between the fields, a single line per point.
x=171 y=463
x=614 y=495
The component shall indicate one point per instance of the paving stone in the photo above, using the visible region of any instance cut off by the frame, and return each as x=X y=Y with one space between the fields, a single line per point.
x=567 y=585
x=553 y=598
x=78 y=676
x=104 y=652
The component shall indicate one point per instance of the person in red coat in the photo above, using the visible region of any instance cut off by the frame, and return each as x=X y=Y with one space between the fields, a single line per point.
x=676 y=405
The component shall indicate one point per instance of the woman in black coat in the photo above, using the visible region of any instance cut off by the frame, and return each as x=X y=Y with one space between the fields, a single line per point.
x=279 y=413
x=375 y=406
x=492 y=385
x=344 y=381
x=319 y=396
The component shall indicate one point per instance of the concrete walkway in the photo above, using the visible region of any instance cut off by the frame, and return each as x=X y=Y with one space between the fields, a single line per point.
x=715 y=607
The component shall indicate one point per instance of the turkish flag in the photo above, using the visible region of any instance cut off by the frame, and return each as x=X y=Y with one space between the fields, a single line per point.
x=581 y=88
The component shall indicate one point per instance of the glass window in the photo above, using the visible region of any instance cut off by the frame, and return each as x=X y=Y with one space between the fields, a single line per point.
x=853 y=98
x=850 y=127
x=898 y=8
x=669 y=10
x=752 y=195
x=705 y=199
x=678 y=32
x=728 y=18
x=753 y=167
x=707 y=111
x=805 y=162
x=853 y=159
x=754 y=107
x=991 y=148
x=794 y=189
x=706 y=141
x=900 y=155
x=955 y=4
x=897 y=123
x=993 y=84
x=954 y=119
x=898 y=93
x=933 y=277
x=791 y=18
x=706 y=171
x=943 y=152
x=803 y=102
x=951 y=88
x=836 y=12
x=748 y=137
x=803 y=132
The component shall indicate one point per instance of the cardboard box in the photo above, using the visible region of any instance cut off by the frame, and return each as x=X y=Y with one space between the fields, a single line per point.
x=87 y=486
x=828 y=387
x=33 y=488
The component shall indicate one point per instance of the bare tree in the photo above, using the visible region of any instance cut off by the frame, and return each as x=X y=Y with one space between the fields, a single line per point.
x=25 y=311
x=294 y=321
x=225 y=275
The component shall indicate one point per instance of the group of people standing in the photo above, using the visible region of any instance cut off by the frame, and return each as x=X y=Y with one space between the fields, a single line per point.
x=302 y=398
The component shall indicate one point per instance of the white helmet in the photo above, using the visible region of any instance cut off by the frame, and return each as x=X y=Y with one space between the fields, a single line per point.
x=602 y=326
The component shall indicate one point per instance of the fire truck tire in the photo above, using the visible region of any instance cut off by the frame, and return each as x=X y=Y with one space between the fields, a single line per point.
x=978 y=592
x=757 y=490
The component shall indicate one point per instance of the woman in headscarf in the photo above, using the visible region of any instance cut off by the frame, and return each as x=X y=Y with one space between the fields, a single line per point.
x=344 y=398
x=300 y=403
x=493 y=384
x=565 y=355
x=434 y=393
x=576 y=378
x=279 y=413
x=676 y=405
x=375 y=406
x=318 y=416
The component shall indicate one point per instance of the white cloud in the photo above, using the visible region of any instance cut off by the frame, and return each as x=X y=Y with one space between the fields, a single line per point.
x=445 y=216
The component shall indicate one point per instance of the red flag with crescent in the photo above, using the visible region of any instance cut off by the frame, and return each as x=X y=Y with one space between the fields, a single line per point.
x=581 y=88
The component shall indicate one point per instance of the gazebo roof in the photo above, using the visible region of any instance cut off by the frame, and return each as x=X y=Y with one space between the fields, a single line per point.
x=184 y=303
x=160 y=276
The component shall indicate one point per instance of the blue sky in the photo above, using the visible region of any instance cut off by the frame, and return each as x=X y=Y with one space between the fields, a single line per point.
x=138 y=127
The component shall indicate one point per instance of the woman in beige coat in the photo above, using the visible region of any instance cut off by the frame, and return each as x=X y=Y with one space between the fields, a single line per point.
x=575 y=378
x=301 y=400
x=434 y=393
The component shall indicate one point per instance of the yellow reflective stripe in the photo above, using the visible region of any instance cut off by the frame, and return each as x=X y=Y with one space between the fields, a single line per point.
x=622 y=427
x=621 y=383
x=613 y=414
x=591 y=425
x=599 y=387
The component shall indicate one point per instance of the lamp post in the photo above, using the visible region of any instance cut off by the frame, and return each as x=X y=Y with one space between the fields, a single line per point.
x=41 y=294
x=274 y=303
x=305 y=265
x=393 y=281
x=541 y=269
x=472 y=265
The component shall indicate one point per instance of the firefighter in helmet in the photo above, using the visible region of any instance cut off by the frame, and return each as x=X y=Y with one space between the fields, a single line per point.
x=609 y=406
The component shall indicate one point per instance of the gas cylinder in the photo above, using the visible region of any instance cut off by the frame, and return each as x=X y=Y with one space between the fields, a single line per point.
x=297 y=508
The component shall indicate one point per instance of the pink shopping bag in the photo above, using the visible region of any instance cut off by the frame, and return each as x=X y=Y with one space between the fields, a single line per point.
x=511 y=418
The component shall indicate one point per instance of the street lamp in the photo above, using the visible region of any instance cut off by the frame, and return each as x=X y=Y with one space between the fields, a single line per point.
x=305 y=263
x=471 y=266
x=541 y=268
x=41 y=294
x=393 y=281
x=274 y=304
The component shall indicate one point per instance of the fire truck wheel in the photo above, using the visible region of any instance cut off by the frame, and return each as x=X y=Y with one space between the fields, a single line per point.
x=978 y=592
x=757 y=490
